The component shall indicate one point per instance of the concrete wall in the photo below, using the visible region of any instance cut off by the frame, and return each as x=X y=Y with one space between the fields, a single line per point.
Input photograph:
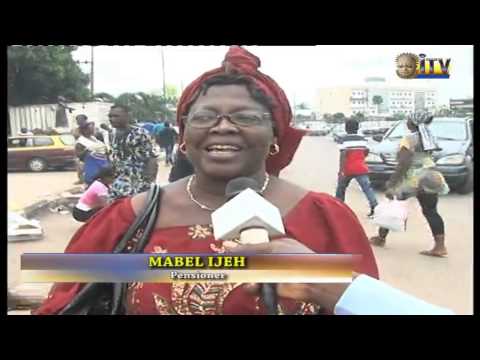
x=43 y=116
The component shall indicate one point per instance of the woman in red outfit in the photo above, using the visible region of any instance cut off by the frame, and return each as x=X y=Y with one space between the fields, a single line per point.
x=234 y=121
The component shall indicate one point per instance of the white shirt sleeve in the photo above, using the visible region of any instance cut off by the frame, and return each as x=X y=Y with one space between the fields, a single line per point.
x=369 y=296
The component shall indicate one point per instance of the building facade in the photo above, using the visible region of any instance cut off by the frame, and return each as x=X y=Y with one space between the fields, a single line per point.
x=54 y=116
x=462 y=106
x=374 y=99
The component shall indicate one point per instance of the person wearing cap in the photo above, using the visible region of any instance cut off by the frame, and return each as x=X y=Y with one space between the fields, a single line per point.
x=415 y=176
x=234 y=121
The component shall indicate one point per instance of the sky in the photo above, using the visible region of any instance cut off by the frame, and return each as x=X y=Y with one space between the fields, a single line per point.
x=299 y=70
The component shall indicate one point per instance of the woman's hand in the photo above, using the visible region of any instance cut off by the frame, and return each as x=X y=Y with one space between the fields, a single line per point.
x=277 y=246
x=325 y=295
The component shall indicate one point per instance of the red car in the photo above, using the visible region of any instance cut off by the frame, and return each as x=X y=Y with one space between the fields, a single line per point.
x=40 y=152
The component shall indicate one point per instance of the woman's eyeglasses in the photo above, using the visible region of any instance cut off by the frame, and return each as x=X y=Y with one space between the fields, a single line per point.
x=203 y=120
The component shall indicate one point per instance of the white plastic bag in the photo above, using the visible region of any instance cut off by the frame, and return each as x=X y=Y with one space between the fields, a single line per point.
x=392 y=215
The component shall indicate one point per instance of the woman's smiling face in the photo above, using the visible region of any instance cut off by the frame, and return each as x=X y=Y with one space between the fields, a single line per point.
x=226 y=150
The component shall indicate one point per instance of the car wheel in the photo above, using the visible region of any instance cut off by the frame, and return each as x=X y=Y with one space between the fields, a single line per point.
x=467 y=187
x=37 y=165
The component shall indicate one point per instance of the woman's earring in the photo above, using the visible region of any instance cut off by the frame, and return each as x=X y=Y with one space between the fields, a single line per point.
x=275 y=151
x=183 y=148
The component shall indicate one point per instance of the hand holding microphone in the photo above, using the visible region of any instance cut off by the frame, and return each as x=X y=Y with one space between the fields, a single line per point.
x=253 y=219
x=277 y=246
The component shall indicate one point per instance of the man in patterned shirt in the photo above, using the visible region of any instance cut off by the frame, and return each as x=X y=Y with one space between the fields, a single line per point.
x=134 y=155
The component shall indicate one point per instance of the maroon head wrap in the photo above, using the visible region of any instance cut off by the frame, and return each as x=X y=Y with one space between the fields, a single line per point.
x=240 y=61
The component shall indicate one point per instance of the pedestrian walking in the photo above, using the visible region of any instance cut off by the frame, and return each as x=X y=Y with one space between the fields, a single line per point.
x=134 y=155
x=415 y=175
x=353 y=150
x=81 y=121
x=167 y=138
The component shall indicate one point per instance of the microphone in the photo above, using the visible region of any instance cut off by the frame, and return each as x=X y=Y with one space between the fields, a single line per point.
x=248 y=215
x=246 y=210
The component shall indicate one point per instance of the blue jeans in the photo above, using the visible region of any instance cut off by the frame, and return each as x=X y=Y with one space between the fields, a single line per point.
x=168 y=154
x=363 y=181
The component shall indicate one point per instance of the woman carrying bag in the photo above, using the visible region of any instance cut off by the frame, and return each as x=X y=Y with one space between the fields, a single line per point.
x=415 y=175
x=91 y=151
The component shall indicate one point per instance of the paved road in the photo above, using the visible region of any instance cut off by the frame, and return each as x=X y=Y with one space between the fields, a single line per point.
x=26 y=188
x=446 y=282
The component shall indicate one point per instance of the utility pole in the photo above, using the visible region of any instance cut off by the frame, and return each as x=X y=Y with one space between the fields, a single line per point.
x=163 y=73
x=91 y=73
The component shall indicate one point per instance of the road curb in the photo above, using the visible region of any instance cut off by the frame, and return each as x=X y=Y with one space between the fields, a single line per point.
x=32 y=210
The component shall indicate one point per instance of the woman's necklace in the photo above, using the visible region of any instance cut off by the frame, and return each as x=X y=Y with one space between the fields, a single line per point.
x=205 y=207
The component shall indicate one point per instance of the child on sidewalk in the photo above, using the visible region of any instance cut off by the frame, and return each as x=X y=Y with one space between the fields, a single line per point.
x=95 y=197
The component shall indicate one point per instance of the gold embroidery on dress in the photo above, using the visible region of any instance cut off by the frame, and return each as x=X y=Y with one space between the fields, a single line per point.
x=200 y=299
x=200 y=231
x=133 y=288
x=206 y=299
x=159 y=250
x=307 y=309
x=257 y=305
x=301 y=309
x=163 y=306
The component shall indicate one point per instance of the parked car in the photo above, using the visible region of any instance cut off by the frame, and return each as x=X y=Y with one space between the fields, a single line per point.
x=454 y=161
x=374 y=131
x=370 y=128
x=321 y=132
x=38 y=153
x=338 y=131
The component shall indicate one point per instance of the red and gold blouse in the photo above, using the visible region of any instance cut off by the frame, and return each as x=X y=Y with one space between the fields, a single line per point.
x=319 y=221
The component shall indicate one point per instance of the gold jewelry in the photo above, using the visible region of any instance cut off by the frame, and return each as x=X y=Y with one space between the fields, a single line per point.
x=183 y=148
x=276 y=151
x=205 y=207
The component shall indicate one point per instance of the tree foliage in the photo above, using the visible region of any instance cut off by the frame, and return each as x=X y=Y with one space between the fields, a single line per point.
x=377 y=100
x=40 y=74
x=147 y=106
